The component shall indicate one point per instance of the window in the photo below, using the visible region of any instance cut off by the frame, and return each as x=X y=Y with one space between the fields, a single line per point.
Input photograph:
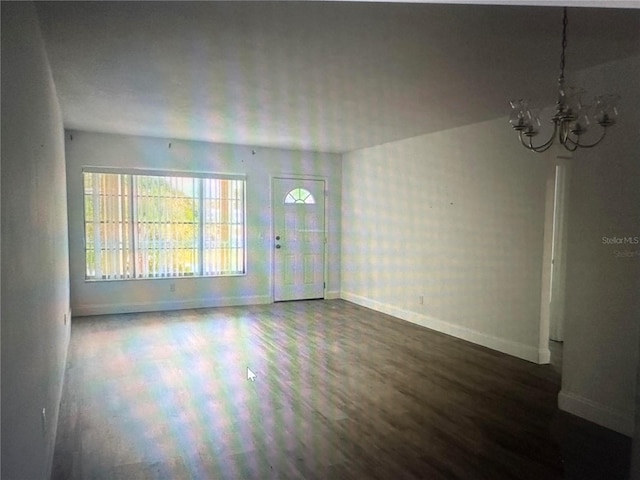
x=152 y=225
x=299 y=195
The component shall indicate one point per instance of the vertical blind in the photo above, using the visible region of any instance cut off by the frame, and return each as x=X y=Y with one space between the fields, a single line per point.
x=158 y=226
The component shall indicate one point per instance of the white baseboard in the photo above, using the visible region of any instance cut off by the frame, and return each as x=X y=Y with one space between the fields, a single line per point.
x=106 y=309
x=544 y=355
x=331 y=294
x=509 y=347
x=616 y=420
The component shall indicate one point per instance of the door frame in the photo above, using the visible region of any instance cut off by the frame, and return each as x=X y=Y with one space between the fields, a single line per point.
x=272 y=257
x=559 y=266
x=554 y=253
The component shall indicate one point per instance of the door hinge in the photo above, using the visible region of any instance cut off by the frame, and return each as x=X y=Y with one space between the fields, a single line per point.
x=324 y=285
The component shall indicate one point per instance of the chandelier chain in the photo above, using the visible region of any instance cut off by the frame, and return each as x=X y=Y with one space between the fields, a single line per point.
x=565 y=21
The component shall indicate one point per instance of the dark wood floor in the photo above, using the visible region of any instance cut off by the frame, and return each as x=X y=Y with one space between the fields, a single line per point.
x=342 y=392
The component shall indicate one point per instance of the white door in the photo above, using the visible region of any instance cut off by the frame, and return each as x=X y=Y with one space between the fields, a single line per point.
x=298 y=238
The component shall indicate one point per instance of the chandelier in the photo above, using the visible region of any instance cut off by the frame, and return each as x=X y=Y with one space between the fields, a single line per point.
x=572 y=118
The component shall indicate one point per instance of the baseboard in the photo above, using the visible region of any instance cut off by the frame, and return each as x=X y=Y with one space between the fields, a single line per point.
x=544 y=355
x=106 y=309
x=526 y=352
x=331 y=294
x=616 y=420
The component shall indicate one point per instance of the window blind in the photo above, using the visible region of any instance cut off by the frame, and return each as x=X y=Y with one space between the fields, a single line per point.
x=151 y=225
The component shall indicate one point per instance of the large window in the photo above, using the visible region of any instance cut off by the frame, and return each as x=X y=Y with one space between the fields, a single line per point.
x=154 y=225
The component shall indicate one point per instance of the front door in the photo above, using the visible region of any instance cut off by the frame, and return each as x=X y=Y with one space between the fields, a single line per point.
x=298 y=238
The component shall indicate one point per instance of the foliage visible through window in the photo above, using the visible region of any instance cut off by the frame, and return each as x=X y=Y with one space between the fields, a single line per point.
x=152 y=226
x=299 y=195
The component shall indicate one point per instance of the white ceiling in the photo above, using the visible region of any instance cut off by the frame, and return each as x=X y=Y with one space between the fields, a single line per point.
x=326 y=76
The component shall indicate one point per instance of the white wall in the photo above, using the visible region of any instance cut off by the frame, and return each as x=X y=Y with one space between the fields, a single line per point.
x=457 y=217
x=603 y=290
x=94 y=149
x=35 y=275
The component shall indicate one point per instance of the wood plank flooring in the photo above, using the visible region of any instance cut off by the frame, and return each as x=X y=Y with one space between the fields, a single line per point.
x=342 y=392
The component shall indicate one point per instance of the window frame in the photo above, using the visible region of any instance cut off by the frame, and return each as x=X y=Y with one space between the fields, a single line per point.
x=200 y=199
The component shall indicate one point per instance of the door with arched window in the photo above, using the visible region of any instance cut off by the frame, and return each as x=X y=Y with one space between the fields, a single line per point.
x=299 y=238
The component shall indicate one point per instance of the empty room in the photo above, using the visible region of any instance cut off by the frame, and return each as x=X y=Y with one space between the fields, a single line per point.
x=320 y=240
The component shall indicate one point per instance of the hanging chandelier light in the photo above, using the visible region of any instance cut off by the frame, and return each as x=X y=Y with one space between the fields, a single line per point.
x=572 y=118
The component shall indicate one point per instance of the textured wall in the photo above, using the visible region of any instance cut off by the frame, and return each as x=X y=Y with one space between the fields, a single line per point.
x=456 y=217
x=93 y=149
x=35 y=269
x=603 y=303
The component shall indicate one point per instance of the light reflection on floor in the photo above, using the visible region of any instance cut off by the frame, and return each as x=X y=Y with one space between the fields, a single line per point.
x=168 y=391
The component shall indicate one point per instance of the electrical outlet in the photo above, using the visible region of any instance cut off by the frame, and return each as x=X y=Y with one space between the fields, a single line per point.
x=172 y=287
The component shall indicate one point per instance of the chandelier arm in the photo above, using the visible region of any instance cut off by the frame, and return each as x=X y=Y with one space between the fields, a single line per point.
x=590 y=145
x=563 y=133
x=564 y=139
x=539 y=148
x=571 y=146
x=570 y=141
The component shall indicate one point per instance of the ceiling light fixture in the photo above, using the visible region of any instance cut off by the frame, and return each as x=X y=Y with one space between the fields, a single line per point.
x=572 y=118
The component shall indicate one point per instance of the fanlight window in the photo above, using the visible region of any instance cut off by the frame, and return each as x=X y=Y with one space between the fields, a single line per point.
x=299 y=195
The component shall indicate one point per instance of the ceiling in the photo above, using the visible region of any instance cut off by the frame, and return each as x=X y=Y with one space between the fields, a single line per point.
x=325 y=76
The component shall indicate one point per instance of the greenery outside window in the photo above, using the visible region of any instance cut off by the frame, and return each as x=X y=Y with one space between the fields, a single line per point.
x=147 y=224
